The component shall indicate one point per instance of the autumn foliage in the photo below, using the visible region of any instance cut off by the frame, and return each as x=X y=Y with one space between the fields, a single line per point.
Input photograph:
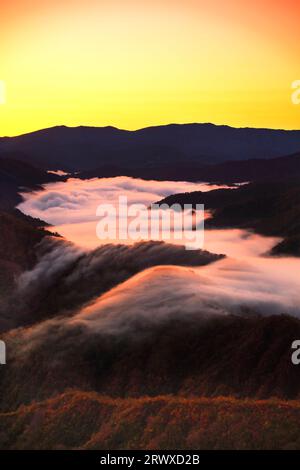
x=82 y=420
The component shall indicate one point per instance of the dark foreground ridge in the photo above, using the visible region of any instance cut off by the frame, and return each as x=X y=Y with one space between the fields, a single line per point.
x=178 y=355
x=166 y=422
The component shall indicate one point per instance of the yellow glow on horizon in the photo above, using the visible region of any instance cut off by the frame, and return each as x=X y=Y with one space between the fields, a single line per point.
x=132 y=64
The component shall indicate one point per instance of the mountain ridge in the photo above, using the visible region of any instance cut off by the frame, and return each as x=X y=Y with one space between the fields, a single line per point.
x=155 y=126
x=85 y=148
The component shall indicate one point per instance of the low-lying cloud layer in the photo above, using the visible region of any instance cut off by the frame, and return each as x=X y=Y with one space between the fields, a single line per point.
x=67 y=277
x=225 y=287
x=165 y=293
x=71 y=206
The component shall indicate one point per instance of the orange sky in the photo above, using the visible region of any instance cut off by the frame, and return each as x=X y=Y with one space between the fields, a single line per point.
x=134 y=63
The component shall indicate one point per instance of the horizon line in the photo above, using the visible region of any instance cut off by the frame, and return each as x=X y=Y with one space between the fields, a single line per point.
x=147 y=127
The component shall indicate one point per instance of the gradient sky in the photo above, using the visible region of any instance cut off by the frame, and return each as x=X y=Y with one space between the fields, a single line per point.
x=135 y=63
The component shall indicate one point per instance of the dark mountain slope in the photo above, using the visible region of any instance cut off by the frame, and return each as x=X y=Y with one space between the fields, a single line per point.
x=19 y=234
x=17 y=175
x=222 y=356
x=274 y=169
x=14 y=170
x=270 y=208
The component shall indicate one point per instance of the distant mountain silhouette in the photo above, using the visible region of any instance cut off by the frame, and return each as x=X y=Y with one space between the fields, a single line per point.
x=258 y=169
x=84 y=148
x=233 y=171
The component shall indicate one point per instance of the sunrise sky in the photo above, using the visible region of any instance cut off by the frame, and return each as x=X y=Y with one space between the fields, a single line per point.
x=135 y=63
